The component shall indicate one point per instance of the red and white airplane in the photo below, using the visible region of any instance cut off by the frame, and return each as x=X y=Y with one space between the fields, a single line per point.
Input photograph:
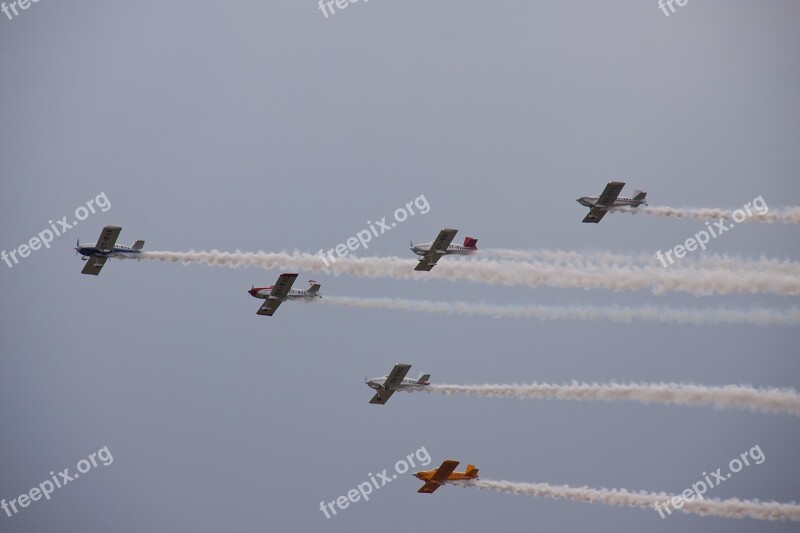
x=609 y=199
x=275 y=295
x=431 y=252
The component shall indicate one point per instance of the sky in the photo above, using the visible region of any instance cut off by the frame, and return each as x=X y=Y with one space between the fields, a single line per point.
x=267 y=126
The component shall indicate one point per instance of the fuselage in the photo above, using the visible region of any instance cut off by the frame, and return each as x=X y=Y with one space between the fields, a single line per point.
x=407 y=383
x=427 y=475
x=452 y=249
x=92 y=251
x=621 y=201
x=294 y=294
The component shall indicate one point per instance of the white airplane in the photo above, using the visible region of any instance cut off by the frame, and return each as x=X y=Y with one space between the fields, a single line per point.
x=96 y=254
x=275 y=295
x=599 y=205
x=431 y=252
x=394 y=381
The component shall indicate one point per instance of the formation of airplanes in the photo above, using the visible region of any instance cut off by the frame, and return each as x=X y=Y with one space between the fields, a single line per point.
x=106 y=247
x=96 y=254
x=395 y=380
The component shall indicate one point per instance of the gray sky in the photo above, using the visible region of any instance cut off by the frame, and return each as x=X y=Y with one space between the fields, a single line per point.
x=266 y=126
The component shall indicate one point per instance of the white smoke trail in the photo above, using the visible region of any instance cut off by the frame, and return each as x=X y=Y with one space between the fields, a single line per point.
x=759 y=317
x=730 y=508
x=605 y=259
x=569 y=257
x=764 y=400
x=657 y=279
x=787 y=215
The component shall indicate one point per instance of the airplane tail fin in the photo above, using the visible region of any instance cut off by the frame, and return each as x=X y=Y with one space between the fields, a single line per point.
x=138 y=245
x=639 y=195
x=471 y=470
x=471 y=243
x=314 y=287
x=423 y=378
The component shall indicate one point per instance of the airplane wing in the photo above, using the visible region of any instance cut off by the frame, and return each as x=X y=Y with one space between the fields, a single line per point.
x=94 y=265
x=382 y=397
x=610 y=193
x=268 y=307
x=283 y=285
x=443 y=240
x=443 y=472
x=595 y=215
x=108 y=238
x=438 y=249
x=396 y=376
x=429 y=487
x=427 y=263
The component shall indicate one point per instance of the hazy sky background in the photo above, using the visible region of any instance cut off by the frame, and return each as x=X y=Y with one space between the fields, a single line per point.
x=266 y=126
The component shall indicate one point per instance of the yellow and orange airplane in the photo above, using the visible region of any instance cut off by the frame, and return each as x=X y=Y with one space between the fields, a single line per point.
x=436 y=478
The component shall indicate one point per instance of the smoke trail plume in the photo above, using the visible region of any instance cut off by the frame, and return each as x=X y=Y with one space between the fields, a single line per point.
x=764 y=400
x=657 y=279
x=608 y=259
x=759 y=317
x=788 y=215
x=731 y=508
